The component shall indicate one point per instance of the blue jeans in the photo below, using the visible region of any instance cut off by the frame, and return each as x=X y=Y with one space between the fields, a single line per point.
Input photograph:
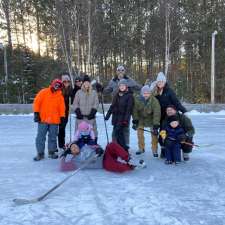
x=43 y=129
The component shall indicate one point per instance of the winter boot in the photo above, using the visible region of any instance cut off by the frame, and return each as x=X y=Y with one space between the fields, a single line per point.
x=177 y=162
x=140 y=151
x=156 y=155
x=167 y=162
x=52 y=155
x=186 y=156
x=39 y=157
x=141 y=165
x=162 y=154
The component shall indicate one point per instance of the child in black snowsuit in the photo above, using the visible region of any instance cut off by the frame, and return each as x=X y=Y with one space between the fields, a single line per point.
x=121 y=110
x=173 y=136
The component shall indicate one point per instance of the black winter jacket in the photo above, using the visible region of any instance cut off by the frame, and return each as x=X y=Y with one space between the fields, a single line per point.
x=168 y=97
x=121 y=108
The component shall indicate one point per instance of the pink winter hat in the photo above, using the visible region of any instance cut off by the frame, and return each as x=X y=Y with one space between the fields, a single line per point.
x=83 y=126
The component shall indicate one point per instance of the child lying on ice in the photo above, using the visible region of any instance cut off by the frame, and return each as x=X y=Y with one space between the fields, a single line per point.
x=84 y=148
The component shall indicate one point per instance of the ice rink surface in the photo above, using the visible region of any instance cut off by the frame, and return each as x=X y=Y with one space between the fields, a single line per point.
x=191 y=193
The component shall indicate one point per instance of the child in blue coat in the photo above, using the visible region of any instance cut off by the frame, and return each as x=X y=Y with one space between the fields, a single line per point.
x=173 y=135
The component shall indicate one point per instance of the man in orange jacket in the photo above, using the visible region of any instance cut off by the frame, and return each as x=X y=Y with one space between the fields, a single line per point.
x=49 y=112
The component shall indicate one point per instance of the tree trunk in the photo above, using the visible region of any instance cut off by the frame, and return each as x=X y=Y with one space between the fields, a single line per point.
x=6 y=9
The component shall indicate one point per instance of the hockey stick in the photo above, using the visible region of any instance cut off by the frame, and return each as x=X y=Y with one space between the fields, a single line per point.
x=149 y=131
x=20 y=201
x=198 y=146
x=70 y=118
x=103 y=111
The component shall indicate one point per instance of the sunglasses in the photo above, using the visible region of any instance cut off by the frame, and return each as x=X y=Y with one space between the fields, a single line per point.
x=57 y=86
x=66 y=81
x=121 y=70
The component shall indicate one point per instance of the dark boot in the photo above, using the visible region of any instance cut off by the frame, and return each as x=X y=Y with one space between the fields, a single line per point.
x=140 y=151
x=162 y=155
x=52 y=155
x=39 y=157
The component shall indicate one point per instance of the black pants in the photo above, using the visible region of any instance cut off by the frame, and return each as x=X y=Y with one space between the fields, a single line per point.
x=62 y=134
x=119 y=135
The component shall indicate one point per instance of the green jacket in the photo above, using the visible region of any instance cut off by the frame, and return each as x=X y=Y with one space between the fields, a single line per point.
x=148 y=112
x=185 y=123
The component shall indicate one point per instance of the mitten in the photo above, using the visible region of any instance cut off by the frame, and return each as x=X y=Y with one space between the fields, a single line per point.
x=99 y=151
x=62 y=120
x=78 y=113
x=135 y=124
x=37 y=117
x=92 y=114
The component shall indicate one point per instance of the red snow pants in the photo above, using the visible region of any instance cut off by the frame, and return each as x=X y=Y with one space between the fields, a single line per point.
x=110 y=163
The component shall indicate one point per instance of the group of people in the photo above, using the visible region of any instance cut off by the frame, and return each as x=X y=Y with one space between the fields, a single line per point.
x=153 y=105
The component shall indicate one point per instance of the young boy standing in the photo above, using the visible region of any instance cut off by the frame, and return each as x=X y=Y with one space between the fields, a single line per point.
x=146 y=113
x=121 y=110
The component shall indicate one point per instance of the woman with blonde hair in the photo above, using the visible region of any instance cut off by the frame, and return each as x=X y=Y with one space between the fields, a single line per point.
x=85 y=105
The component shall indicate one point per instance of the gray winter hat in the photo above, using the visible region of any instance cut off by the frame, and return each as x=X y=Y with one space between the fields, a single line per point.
x=161 y=77
x=123 y=81
x=145 y=89
x=120 y=67
x=65 y=78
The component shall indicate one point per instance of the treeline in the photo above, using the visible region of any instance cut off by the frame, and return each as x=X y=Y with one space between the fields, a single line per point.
x=94 y=36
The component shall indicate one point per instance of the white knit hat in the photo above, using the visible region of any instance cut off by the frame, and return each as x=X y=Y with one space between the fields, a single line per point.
x=152 y=86
x=161 y=77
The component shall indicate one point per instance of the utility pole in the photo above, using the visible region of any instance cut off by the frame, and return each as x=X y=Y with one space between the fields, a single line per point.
x=213 y=68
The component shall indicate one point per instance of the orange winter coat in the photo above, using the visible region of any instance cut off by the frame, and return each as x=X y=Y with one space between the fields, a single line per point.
x=50 y=105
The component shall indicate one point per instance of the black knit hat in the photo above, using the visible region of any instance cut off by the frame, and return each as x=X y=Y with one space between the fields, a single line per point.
x=173 y=118
x=86 y=78
x=78 y=78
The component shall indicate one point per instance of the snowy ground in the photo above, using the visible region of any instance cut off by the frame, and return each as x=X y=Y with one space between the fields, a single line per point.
x=191 y=193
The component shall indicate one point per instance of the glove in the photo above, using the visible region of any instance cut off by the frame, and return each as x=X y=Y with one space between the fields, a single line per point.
x=65 y=153
x=163 y=134
x=181 y=138
x=78 y=113
x=135 y=124
x=99 y=151
x=92 y=114
x=37 y=118
x=99 y=87
x=155 y=130
x=188 y=137
x=62 y=120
